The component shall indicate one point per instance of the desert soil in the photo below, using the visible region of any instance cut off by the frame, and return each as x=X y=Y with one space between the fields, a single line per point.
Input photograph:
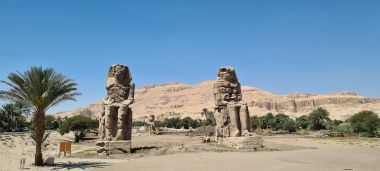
x=281 y=153
x=180 y=152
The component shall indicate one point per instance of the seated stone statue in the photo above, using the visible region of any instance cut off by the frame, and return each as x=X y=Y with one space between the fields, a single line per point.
x=116 y=116
x=152 y=126
x=231 y=111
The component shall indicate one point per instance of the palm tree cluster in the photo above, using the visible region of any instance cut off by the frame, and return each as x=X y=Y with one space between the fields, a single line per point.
x=39 y=89
x=12 y=116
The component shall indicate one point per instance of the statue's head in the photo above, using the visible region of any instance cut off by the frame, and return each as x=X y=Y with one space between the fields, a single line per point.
x=120 y=74
x=228 y=74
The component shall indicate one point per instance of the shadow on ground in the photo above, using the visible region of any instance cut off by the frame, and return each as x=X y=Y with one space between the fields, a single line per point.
x=79 y=165
x=141 y=149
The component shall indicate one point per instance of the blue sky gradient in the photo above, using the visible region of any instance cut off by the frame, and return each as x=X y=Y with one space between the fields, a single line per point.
x=316 y=46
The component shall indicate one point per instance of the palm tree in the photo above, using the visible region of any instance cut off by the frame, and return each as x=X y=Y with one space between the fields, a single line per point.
x=318 y=119
x=39 y=89
x=12 y=116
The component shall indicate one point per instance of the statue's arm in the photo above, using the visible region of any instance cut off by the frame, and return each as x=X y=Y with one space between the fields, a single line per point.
x=218 y=99
x=240 y=96
x=131 y=96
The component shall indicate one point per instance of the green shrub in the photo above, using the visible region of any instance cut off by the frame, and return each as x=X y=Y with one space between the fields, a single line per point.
x=290 y=125
x=138 y=123
x=278 y=122
x=189 y=122
x=365 y=123
x=336 y=122
x=78 y=124
x=284 y=122
x=267 y=121
x=255 y=122
x=344 y=127
x=173 y=123
x=302 y=122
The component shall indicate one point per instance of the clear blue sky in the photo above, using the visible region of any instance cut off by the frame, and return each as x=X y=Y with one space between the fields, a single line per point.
x=315 y=46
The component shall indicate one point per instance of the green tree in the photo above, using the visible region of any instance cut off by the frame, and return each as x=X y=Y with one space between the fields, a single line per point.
x=39 y=89
x=138 y=123
x=267 y=121
x=319 y=119
x=189 y=122
x=78 y=124
x=289 y=125
x=12 y=117
x=173 y=123
x=255 y=122
x=365 y=123
x=302 y=122
x=284 y=122
x=336 y=122
x=51 y=123
x=210 y=118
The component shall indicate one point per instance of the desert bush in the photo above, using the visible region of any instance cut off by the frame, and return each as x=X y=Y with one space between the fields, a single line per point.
x=365 y=123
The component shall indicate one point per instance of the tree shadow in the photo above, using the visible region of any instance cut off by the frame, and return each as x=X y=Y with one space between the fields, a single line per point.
x=84 y=165
x=141 y=149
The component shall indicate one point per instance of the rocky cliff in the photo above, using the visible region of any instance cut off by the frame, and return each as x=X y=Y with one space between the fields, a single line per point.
x=177 y=99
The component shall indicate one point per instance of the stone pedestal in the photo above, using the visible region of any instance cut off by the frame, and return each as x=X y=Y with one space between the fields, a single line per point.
x=252 y=142
x=114 y=147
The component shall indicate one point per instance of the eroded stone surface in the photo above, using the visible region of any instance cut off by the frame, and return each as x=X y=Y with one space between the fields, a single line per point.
x=115 y=123
x=152 y=126
x=231 y=111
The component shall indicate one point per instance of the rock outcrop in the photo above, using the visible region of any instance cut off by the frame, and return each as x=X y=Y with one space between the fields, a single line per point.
x=172 y=100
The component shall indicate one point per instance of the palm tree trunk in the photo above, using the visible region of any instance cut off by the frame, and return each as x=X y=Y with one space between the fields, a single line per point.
x=39 y=130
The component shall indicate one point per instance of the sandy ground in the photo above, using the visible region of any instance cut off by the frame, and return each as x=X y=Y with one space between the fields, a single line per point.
x=299 y=154
x=15 y=147
x=179 y=152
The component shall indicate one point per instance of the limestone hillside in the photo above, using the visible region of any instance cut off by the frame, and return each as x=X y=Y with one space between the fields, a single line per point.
x=172 y=100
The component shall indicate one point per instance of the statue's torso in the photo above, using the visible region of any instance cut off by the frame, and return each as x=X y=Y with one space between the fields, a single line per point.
x=118 y=93
x=227 y=91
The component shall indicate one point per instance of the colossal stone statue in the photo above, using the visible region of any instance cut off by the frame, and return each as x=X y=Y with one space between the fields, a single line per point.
x=231 y=111
x=152 y=126
x=116 y=116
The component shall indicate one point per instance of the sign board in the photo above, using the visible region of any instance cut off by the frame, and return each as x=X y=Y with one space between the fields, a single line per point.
x=65 y=147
